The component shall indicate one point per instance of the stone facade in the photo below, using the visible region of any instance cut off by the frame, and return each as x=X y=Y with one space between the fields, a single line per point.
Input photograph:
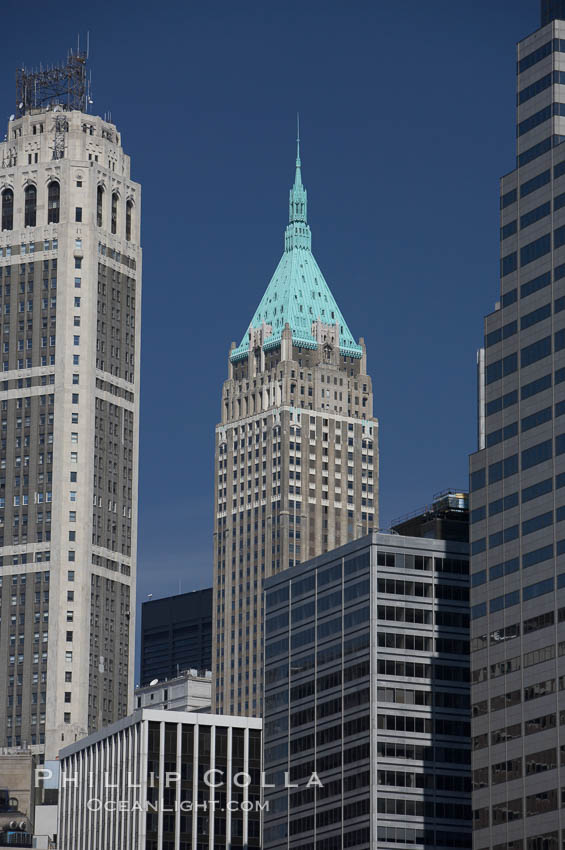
x=296 y=468
x=70 y=278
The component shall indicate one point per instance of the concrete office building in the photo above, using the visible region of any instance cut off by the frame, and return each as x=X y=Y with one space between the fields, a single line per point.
x=176 y=635
x=367 y=683
x=162 y=780
x=187 y=692
x=70 y=297
x=296 y=454
x=517 y=503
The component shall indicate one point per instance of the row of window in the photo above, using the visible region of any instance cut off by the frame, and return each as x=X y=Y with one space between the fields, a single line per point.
x=401 y=560
x=529 y=354
x=532 y=216
x=512 y=665
x=423 y=725
x=403 y=614
x=510 y=466
x=452 y=783
x=53 y=208
x=556 y=45
x=512 y=532
x=398 y=587
x=547 y=841
x=416 y=670
x=531 y=185
x=527 y=423
x=422 y=643
x=553 y=78
x=423 y=836
x=512 y=810
x=539 y=117
x=507 y=600
x=514 y=730
x=411 y=696
x=423 y=808
x=419 y=752
x=532 y=286
x=526 y=391
x=514 y=630
x=539 y=149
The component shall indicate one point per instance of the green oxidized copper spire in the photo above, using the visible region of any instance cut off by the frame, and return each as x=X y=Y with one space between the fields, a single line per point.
x=297 y=233
x=298 y=293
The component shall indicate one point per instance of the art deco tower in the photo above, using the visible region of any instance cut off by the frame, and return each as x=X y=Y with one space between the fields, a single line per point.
x=296 y=454
x=70 y=290
x=518 y=479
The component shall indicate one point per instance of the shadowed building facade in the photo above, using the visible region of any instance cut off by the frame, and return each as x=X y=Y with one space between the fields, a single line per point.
x=296 y=454
x=517 y=500
x=176 y=635
x=367 y=683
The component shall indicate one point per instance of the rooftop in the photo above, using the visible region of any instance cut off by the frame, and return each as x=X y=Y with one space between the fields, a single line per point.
x=297 y=294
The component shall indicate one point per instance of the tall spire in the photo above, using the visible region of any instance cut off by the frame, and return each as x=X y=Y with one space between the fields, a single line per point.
x=297 y=233
x=298 y=294
x=298 y=174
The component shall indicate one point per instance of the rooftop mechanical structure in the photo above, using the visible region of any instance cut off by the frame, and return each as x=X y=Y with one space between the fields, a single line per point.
x=63 y=86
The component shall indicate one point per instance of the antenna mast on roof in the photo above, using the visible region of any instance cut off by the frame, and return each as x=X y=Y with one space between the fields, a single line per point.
x=64 y=86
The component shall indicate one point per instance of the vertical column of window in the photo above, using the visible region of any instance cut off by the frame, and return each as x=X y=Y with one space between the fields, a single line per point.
x=99 y=206
x=30 y=206
x=7 y=209
x=53 y=202
x=129 y=214
x=114 y=215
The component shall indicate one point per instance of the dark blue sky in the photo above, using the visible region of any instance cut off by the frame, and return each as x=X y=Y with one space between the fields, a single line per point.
x=407 y=122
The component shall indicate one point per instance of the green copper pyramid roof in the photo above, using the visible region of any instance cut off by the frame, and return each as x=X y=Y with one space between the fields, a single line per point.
x=298 y=293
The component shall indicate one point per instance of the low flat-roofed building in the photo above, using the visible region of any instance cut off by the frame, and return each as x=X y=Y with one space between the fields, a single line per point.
x=191 y=691
x=162 y=780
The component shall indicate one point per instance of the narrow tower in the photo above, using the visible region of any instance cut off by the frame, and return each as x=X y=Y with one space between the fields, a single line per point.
x=70 y=290
x=296 y=470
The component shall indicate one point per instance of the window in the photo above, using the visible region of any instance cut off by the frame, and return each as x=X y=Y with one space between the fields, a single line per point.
x=532 y=353
x=53 y=202
x=129 y=208
x=114 y=215
x=78 y=213
x=99 y=205
x=7 y=209
x=78 y=262
x=535 y=249
x=30 y=206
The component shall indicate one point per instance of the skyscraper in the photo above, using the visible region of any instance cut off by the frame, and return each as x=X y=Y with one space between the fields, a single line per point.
x=176 y=635
x=296 y=453
x=517 y=501
x=70 y=281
